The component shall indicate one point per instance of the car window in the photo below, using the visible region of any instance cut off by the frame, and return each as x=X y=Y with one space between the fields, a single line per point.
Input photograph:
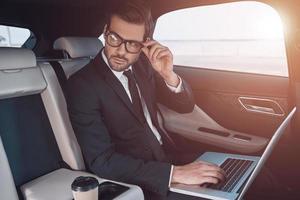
x=239 y=36
x=14 y=36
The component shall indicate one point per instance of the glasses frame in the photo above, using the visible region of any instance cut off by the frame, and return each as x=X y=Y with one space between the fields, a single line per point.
x=123 y=41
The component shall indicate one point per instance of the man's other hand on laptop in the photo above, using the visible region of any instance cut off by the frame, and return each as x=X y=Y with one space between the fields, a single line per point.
x=198 y=173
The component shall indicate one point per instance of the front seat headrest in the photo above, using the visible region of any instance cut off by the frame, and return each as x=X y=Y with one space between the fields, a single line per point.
x=78 y=47
x=16 y=58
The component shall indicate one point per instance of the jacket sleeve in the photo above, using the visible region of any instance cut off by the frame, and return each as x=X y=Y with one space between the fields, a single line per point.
x=182 y=102
x=98 y=149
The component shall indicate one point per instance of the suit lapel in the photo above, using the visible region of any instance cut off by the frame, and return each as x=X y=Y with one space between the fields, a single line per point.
x=114 y=83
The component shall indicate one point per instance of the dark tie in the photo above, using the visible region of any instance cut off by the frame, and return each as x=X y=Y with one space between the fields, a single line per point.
x=135 y=97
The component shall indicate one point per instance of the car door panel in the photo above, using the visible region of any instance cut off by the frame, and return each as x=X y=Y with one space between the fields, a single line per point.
x=199 y=127
x=235 y=111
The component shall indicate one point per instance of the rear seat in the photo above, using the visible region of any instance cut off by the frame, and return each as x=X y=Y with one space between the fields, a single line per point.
x=34 y=156
x=80 y=51
x=7 y=185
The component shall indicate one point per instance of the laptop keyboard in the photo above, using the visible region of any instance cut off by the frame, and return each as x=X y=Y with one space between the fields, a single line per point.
x=234 y=169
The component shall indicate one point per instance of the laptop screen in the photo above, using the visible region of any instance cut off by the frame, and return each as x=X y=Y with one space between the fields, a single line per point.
x=274 y=140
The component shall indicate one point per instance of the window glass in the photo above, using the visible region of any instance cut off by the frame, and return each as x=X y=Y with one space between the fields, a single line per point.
x=13 y=36
x=239 y=36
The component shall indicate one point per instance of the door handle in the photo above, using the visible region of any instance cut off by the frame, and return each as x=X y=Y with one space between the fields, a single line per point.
x=263 y=106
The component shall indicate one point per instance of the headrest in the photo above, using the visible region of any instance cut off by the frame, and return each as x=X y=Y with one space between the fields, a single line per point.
x=16 y=58
x=19 y=75
x=78 y=47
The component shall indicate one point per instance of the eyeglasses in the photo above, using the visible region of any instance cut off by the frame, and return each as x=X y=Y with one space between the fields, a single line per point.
x=114 y=40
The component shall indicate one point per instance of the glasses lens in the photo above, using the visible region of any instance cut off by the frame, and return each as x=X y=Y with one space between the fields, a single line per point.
x=114 y=40
x=133 y=46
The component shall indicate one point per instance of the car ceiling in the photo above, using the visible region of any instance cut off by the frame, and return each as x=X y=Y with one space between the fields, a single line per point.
x=50 y=19
x=82 y=17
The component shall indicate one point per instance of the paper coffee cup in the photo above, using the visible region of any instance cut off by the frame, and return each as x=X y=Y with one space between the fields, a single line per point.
x=85 y=188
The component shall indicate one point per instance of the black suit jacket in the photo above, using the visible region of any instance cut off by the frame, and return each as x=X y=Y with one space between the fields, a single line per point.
x=115 y=142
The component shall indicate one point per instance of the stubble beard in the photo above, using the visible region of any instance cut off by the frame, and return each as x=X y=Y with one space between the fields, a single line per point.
x=120 y=66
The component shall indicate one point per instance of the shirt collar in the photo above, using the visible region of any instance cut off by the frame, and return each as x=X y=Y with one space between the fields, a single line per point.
x=116 y=73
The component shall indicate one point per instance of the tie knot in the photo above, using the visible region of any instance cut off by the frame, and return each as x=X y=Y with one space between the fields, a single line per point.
x=128 y=73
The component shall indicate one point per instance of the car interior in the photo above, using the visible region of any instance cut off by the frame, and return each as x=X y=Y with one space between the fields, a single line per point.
x=235 y=112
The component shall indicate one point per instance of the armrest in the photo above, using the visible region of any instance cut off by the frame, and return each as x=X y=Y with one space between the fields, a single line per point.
x=57 y=185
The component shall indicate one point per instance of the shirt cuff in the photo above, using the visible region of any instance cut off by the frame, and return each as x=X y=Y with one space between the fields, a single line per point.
x=177 y=89
x=171 y=173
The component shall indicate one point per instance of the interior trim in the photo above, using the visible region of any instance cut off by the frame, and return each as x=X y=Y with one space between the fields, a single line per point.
x=187 y=125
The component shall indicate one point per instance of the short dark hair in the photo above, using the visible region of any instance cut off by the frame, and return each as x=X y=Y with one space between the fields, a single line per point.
x=132 y=11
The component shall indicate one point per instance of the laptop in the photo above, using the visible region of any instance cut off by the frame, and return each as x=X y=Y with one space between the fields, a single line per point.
x=241 y=170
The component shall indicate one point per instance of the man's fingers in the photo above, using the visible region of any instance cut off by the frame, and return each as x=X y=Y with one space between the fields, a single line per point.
x=154 y=48
x=146 y=51
x=150 y=49
x=211 y=166
x=152 y=45
x=210 y=169
x=160 y=52
x=163 y=53
x=155 y=52
x=223 y=172
x=214 y=174
x=149 y=43
x=216 y=169
x=209 y=179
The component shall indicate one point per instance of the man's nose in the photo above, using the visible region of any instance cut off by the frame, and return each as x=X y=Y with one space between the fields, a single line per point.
x=122 y=49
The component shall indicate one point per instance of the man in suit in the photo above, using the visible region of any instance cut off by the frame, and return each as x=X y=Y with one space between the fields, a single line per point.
x=112 y=104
